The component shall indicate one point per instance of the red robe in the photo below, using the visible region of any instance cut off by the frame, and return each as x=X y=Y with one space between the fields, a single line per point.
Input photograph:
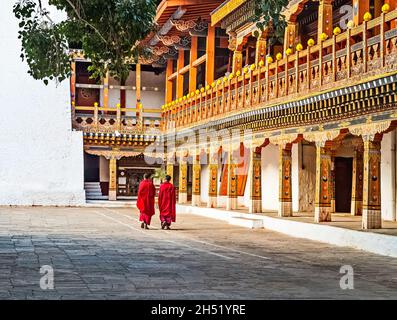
x=145 y=203
x=167 y=201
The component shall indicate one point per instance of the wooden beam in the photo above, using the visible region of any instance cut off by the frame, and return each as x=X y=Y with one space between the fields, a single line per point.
x=199 y=61
x=184 y=70
x=210 y=67
x=193 y=70
x=173 y=75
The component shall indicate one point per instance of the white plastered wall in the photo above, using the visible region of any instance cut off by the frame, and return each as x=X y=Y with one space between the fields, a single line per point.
x=295 y=178
x=41 y=158
x=270 y=178
x=388 y=176
x=103 y=169
x=204 y=183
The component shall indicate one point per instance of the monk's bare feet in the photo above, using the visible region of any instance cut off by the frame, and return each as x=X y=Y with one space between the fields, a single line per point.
x=163 y=225
x=142 y=225
x=146 y=226
x=168 y=227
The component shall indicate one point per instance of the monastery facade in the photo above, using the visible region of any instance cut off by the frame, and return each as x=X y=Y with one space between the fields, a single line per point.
x=239 y=120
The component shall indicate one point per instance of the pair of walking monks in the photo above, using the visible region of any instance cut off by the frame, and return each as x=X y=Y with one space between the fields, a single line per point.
x=166 y=201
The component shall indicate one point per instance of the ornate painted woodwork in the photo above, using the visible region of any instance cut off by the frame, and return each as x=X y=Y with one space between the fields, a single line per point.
x=196 y=183
x=325 y=18
x=112 y=178
x=333 y=64
x=182 y=197
x=371 y=185
x=255 y=172
x=323 y=184
x=357 y=183
x=170 y=171
x=285 y=180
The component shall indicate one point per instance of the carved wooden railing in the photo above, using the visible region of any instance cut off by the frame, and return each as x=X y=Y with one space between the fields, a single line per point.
x=345 y=59
x=108 y=120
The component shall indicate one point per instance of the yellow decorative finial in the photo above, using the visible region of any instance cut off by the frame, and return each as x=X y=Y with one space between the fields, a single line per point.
x=367 y=17
x=386 y=8
x=323 y=36
x=337 y=31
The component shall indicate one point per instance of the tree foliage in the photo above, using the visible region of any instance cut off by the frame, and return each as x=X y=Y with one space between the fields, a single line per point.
x=106 y=31
x=268 y=13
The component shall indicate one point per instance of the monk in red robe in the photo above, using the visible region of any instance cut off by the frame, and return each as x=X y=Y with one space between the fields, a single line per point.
x=145 y=203
x=167 y=200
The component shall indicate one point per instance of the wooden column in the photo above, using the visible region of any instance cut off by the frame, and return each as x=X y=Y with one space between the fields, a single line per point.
x=182 y=198
x=112 y=179
x=290 y=36
x=371 y=185
x=260 y=54
x=106 y=90
x=324 y=19
x=357 y=183
x=285 y=183
x=255 y=172
x=169 y=83
x=138 y=83
x=179 y=81
x=138 y=80
x=237 y=61
x=359 y=8
x=210 y=62
x=333 y=187
x=196 y=188
x=193 y=70
x=232 y=202
x=322 y=209
x=213 y=179
x=73 y=83
x=393 y=6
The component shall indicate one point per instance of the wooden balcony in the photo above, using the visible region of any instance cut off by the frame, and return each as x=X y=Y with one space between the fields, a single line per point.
x=360 y=54
x=124 y=121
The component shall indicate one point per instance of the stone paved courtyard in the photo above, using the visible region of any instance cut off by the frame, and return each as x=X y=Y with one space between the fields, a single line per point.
x=100 y=253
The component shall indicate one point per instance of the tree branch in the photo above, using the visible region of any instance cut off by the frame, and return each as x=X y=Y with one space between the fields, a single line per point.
x=85 y=21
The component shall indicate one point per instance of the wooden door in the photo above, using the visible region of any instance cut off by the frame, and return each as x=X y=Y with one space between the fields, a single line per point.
x=343 y=184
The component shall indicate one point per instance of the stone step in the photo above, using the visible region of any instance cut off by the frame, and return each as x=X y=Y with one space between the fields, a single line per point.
x=94 y=194
x=251 y=223
x=89 y=198
x=110 y=204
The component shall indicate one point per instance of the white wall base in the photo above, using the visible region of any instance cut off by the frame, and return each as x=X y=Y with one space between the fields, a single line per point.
x=182 y=198
x=196 y=200
x=372 y=242
x=212 y=202
x=24 y=197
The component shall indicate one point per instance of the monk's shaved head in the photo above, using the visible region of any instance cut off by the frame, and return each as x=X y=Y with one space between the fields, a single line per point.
x=168 y=178
x=147 y=175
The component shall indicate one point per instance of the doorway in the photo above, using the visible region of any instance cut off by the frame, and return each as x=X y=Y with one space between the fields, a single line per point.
x=343 y=183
